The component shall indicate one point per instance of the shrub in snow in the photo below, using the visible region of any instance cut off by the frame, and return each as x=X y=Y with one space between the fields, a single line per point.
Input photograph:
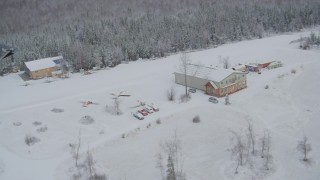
x=17 y=123
x=98 y=177
x=266 y=87
x=42 y=129
x=37 y=123
x=158 y=121
x=185 y=98
x=76 y=176
x=30 y=140
x=57 y=110
x=86 y=120
x=171 y=94
x=293 y=71
x=26 y=84
x=123 y=135
x=196 y=119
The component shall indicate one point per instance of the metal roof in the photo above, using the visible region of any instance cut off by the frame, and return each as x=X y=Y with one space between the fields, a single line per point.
x=42 y=63
x=209 y=73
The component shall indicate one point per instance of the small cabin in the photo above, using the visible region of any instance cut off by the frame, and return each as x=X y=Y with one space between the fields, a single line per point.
x=41 y=68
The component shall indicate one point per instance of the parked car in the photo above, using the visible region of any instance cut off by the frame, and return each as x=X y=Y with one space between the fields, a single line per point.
x=143 y=112
x=213 y=100
x=138 y=115
x=148 y=109
x=192 y=90
x=154 y=107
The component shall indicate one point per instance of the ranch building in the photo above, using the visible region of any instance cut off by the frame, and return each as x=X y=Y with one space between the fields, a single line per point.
x=214 y=82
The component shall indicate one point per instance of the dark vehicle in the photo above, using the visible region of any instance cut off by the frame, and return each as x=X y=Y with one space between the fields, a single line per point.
x=213 y=100
x=192 y=90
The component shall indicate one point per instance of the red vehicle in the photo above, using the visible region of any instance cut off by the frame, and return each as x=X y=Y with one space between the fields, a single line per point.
x=143 y=112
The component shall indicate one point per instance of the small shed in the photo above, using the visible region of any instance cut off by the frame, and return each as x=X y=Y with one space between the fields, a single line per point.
x=43 y=67
x=275 y=64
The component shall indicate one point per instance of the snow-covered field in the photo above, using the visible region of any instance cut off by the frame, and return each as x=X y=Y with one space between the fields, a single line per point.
x=289 y=109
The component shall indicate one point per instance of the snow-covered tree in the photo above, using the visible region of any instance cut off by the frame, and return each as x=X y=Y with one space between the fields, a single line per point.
x=304 y=147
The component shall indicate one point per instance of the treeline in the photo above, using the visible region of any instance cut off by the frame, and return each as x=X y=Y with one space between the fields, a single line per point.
x=146 y=31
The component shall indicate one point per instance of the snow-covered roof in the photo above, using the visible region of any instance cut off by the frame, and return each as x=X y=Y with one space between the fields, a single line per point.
x=252 y=65
x=239 y=66
x=275 y=63
x=213 y=84
x=209 y=73
x=43 y=63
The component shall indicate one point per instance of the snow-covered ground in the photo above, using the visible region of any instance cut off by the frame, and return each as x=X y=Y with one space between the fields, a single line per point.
x=289 y=109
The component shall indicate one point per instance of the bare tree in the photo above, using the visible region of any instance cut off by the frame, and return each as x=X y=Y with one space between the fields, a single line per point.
x=238 y=149
x=171 y=173
x=90 y=164
x=264 y=143
x=171 y=149
x=116 y=104
x=160 y=165
x=267 y=151
x=171 y=94
x=251 y=137
x=304 y=147
x=114 y=109
x=226 y=64
x=75 y=148
x=185 y=61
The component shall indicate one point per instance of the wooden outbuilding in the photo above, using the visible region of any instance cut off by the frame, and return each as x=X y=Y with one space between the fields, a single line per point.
x=43 y=67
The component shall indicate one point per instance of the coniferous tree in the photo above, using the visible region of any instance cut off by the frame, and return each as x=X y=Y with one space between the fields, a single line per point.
x=171 y=174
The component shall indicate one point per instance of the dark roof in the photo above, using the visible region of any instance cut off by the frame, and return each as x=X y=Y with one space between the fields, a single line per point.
x=5 y=51
x=57 y=61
